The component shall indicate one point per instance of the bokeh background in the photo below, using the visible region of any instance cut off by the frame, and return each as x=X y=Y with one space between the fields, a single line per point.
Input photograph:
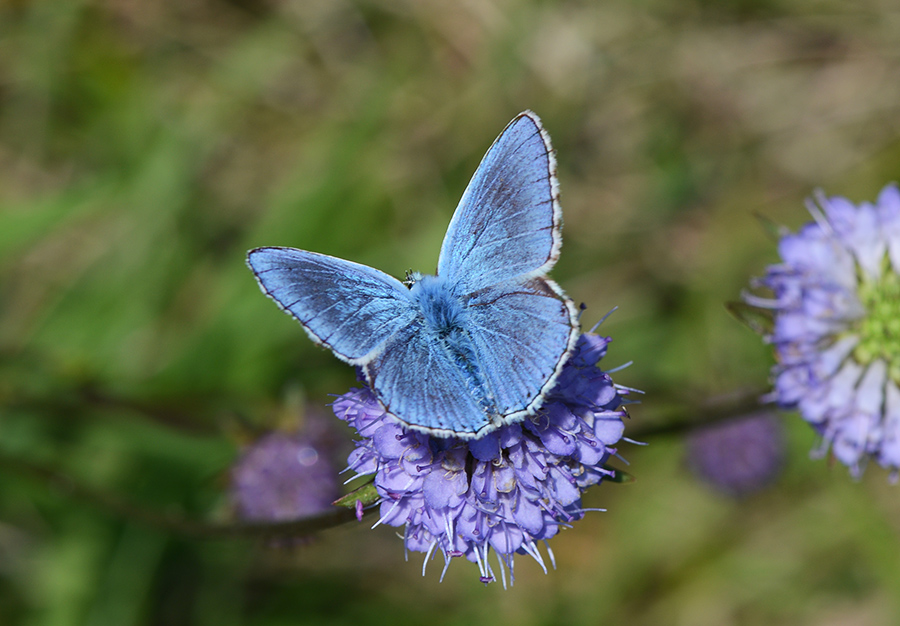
x=144 y=147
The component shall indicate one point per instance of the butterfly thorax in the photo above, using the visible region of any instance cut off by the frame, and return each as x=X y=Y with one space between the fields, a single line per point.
x=441 y=309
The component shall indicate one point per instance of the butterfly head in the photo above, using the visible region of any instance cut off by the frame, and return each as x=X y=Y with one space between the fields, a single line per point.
x=412 y=278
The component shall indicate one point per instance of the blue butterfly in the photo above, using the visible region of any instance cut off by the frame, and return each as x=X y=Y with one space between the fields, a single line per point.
x=480 y=344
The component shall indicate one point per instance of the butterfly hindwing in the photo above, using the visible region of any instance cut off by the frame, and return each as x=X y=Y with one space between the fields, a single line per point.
x=508 y=222
x=351 y=308
x=521 y=335
x=479 y=345
x=417 y=380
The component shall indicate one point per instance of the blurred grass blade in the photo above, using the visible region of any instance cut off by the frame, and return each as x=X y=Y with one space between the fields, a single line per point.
x=774 y=230
x=758 y=320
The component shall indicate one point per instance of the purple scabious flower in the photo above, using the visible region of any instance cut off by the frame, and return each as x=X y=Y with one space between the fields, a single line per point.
x=504 y=492
x=739 y=456
x=836 y=334
x=282 y=477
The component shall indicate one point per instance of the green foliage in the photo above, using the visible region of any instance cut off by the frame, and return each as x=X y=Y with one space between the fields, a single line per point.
x=144 y=147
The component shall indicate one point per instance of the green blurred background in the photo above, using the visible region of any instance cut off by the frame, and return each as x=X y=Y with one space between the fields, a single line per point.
x=144 y=147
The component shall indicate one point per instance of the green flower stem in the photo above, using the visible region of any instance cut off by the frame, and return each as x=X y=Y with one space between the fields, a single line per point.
x=119 y=507
x=684 y=416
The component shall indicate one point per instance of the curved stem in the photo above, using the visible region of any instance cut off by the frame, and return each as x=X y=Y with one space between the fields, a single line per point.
x=173 y=523
x=685 y=416
x=689 y=415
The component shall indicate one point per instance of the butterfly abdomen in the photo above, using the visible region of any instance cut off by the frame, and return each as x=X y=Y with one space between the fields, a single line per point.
x=476 y=347
x=460 y=346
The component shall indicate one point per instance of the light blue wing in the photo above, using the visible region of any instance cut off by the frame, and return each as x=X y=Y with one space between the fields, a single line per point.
x=508 y=221
x=350 y=308
x=416 y=379
x=518 y=327
x=522 y=334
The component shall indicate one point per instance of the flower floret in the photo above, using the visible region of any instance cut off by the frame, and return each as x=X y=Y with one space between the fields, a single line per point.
x=503 y=492
x=836 y=332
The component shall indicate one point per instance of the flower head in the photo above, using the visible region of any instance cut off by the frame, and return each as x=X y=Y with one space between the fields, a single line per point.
x=503 y=492
x=282 y=477
x=739 y=456
x=836 y=328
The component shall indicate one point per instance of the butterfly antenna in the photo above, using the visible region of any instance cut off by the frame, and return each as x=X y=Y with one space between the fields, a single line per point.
x=411 y=278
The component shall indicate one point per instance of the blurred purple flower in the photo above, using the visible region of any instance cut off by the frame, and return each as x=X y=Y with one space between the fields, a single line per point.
x=836 y=329
x=283 y=477
x=504 y=492
x=739 y=456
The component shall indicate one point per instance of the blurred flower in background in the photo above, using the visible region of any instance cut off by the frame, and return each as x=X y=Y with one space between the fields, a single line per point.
x=284 y=476
x=836 y=332
x=505 y=491
x=146 y=146
x=739 y=456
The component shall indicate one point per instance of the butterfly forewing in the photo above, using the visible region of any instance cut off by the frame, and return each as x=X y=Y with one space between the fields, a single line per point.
x=350 y=308
x=493 y=346
x=508 y=221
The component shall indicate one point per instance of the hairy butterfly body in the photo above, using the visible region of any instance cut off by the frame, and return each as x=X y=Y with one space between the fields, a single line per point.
x=481 y=343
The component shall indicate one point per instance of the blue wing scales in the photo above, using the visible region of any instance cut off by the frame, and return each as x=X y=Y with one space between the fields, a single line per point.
x=417 y=380
x=350 y=308
x=508 y=222
x=504 y=237
x=522 y=335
